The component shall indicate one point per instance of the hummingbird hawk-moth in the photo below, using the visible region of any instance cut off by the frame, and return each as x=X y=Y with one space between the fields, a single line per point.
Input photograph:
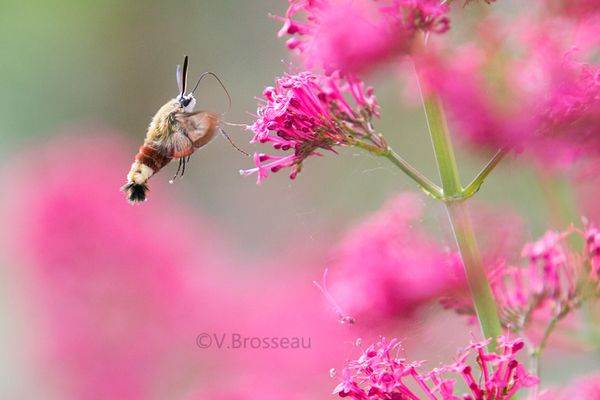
x=175 y=132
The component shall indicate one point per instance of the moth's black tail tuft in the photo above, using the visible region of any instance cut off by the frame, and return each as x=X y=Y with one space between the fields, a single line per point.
x=136 y=193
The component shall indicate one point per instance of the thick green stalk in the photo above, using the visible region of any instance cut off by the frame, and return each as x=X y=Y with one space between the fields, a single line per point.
x=484 y=302
x=481 y=293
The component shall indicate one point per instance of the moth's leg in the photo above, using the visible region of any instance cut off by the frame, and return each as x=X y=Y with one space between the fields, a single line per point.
x=183 y=161
x=176 y=173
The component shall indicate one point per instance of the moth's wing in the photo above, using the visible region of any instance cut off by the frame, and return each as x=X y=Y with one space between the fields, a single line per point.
x=190 y=131
x=200 y=126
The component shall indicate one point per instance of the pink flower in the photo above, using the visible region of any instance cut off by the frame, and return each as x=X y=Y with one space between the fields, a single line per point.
x=547 y=260
x=379 y=373
x=305 y=113
x=545 y=97
x=353 y=35
x=387 y=266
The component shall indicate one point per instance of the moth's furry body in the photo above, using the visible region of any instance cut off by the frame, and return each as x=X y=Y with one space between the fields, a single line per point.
x=175 y=132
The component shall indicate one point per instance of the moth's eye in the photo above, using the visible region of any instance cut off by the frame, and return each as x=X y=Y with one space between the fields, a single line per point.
x=185 y=101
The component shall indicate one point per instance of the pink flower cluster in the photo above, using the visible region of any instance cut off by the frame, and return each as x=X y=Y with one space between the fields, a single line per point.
x=388 y=251
x=353 y=35
x=547 y=259
x=305 y=113
x=555 y=281
x=379 y=373
x=529 y=85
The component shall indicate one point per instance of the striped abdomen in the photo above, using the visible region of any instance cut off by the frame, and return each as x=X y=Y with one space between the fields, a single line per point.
x=148 y=161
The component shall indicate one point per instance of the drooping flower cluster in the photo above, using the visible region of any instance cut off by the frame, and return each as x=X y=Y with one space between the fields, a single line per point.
x=528 y=85
x=354 y=35
x=379 y=373
x=305 y=113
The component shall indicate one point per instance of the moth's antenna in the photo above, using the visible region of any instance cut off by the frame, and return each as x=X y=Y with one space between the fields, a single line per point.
x=179 y=80
x=182 y=76
x=220 y=83
x=231 y=142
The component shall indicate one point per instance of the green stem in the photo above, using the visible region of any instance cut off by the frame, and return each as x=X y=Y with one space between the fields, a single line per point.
x=444 y=153
x=536 y=354
x=426 y=185
x=454 y=197
x=476 y=183
x=481 y=292
x=549 y=329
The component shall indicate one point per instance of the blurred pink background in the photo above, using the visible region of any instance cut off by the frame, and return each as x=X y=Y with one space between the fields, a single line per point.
x=99 y=299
